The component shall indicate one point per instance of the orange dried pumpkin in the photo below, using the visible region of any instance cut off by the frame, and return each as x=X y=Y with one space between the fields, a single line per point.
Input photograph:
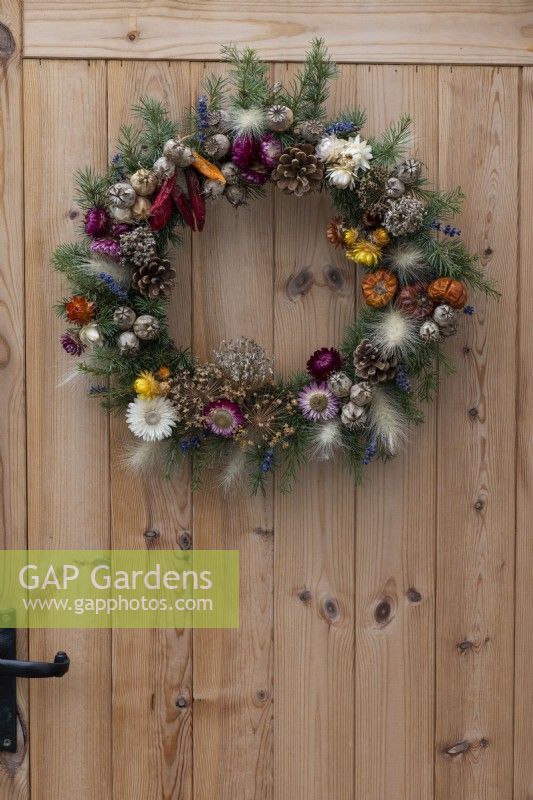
x=379 y=288
x=448 y=290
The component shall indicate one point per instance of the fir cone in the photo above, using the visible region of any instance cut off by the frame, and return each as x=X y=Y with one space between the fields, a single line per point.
x=371 y=365
x=137 y=246
x=155 y=278
x=298 y=171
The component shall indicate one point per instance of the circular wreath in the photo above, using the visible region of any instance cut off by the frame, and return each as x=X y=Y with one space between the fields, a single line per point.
x=232 y=412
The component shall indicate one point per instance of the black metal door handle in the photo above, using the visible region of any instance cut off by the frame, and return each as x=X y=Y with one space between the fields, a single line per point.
x=35 y=669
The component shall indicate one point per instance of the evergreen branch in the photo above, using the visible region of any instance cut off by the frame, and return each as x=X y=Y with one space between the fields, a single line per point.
x=215 y=88
x=450 y=258
x=394 y=143
x=441 y=204
x=248 y=76
x=157 y=129
x=91 y=188
x=309 y=90
x=129 y=147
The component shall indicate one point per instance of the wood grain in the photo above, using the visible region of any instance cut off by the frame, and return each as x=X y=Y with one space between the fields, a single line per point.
x=14 y=767
x=68 y=456
x=418 y=31
x=476 y=455
x=233 y=702
x=152 y=670
x=314 y=546
x=523 y=785
x=396 y=535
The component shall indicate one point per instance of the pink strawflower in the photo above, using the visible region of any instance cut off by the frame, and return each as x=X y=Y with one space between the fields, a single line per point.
x=223 y=417
x=270 y=150
x=97 y=222
x=71 y=344
x=323 y=362
x=243 y=151
x=107 y=247
x=317 y=403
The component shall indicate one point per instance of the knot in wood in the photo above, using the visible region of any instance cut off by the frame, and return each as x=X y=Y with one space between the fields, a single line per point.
x=185 y=540
x=304 y=595
x=73 y=213
x=479 y=505
x=261 y=695
x=182 y=702
x=300 y=284
x=458 y=749
x=334 y=278
x=331 y=609
x=473 y=412
x=7 y=42
x=382 y=612
x=413 y=595
x=151 y=535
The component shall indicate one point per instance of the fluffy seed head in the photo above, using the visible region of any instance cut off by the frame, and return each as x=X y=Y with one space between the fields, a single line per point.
x=407 y=260
x=394 y=333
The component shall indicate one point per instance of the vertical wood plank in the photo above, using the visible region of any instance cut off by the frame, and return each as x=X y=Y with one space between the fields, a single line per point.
x=396 y=534
x=152 y=669
x=233 y=706
x=524 y=545
x=14 y=778
x=476 y=453
x=314 y=545
x=68 y=480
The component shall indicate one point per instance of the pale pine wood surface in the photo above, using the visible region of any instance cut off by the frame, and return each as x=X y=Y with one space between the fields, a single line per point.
x=311 y=698
x=396 y=536
x=476 y=452
x=415 y=31
x=68 y=506
x=152 y=670
x=14 y=767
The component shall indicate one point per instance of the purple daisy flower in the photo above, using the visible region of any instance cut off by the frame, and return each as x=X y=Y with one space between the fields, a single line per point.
x=317 y=403
x=71 y=344
x=323 y=362
x=223 y=417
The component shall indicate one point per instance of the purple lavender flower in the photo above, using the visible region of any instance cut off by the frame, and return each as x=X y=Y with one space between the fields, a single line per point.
x=201 y=109
x=402 y=381
x=447 y=230
x=469 y=310
x=342 y=126
x=113 y=286
x=266 y=464
x=71 y=344
x=370 y=452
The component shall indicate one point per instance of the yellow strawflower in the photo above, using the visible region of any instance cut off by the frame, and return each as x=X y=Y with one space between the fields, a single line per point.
x=146 y=386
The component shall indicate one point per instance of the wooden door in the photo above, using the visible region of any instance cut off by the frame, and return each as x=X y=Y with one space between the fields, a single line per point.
x=385 y=643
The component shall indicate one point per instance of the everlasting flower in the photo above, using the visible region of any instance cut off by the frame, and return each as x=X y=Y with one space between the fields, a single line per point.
x=146 y=385
x=107 y=247
x=358 y=152
x=223 y=417
x=71 y=344
x=151 y=420
x=96 y=221
x=330 y=148
x=80 y=310
x=317 y=402
x=323 y=362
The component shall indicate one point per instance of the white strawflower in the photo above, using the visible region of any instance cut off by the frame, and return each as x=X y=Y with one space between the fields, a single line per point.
x=341 y=177
x=151 y=420
x=330 y=148
x=358 y=151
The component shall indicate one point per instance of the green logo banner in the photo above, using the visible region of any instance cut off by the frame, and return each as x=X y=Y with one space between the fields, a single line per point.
x=119 y=588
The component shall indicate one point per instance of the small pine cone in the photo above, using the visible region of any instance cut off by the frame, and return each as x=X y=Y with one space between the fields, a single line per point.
x=155 y=278
x=298 y=171
x=371 y=365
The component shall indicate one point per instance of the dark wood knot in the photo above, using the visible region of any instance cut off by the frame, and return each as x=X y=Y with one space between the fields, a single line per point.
x=182 y=702
x=382 y=612
x=467 y=350
x=473 y=412
x=300 y=284
x=73 y=213
x=261 y=695
x=480 y=503
x=413 y=595
x=151 y=535
x=185 y=540
x=488 y=251
x=331 y=609
x=304 y=595
x=264 y=533
x=133 y=35
x=465 y=646
x=7 y=42
x=334 y=278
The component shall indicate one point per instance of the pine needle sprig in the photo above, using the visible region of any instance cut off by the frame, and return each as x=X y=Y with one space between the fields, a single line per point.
x=91 y=188
x=129 y=148
x=215 y=88
x=157 y=128
x=395 y=142
x=248 y=76
x=440 y=203
x=451 y=259
x=309 y=90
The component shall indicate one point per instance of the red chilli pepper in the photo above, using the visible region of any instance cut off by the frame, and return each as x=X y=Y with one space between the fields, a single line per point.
x=196 y=197
x=181 y=201
x=161 y=210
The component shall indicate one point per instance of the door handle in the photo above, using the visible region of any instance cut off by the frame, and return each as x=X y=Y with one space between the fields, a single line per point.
x=35 y=669
x=11 y=669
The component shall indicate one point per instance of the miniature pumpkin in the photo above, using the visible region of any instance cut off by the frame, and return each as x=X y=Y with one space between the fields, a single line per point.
x=379 y=288
x=414 y=301
x=448 y=290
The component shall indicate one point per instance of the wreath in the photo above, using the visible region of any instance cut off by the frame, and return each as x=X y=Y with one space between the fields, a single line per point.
x=233 y=413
